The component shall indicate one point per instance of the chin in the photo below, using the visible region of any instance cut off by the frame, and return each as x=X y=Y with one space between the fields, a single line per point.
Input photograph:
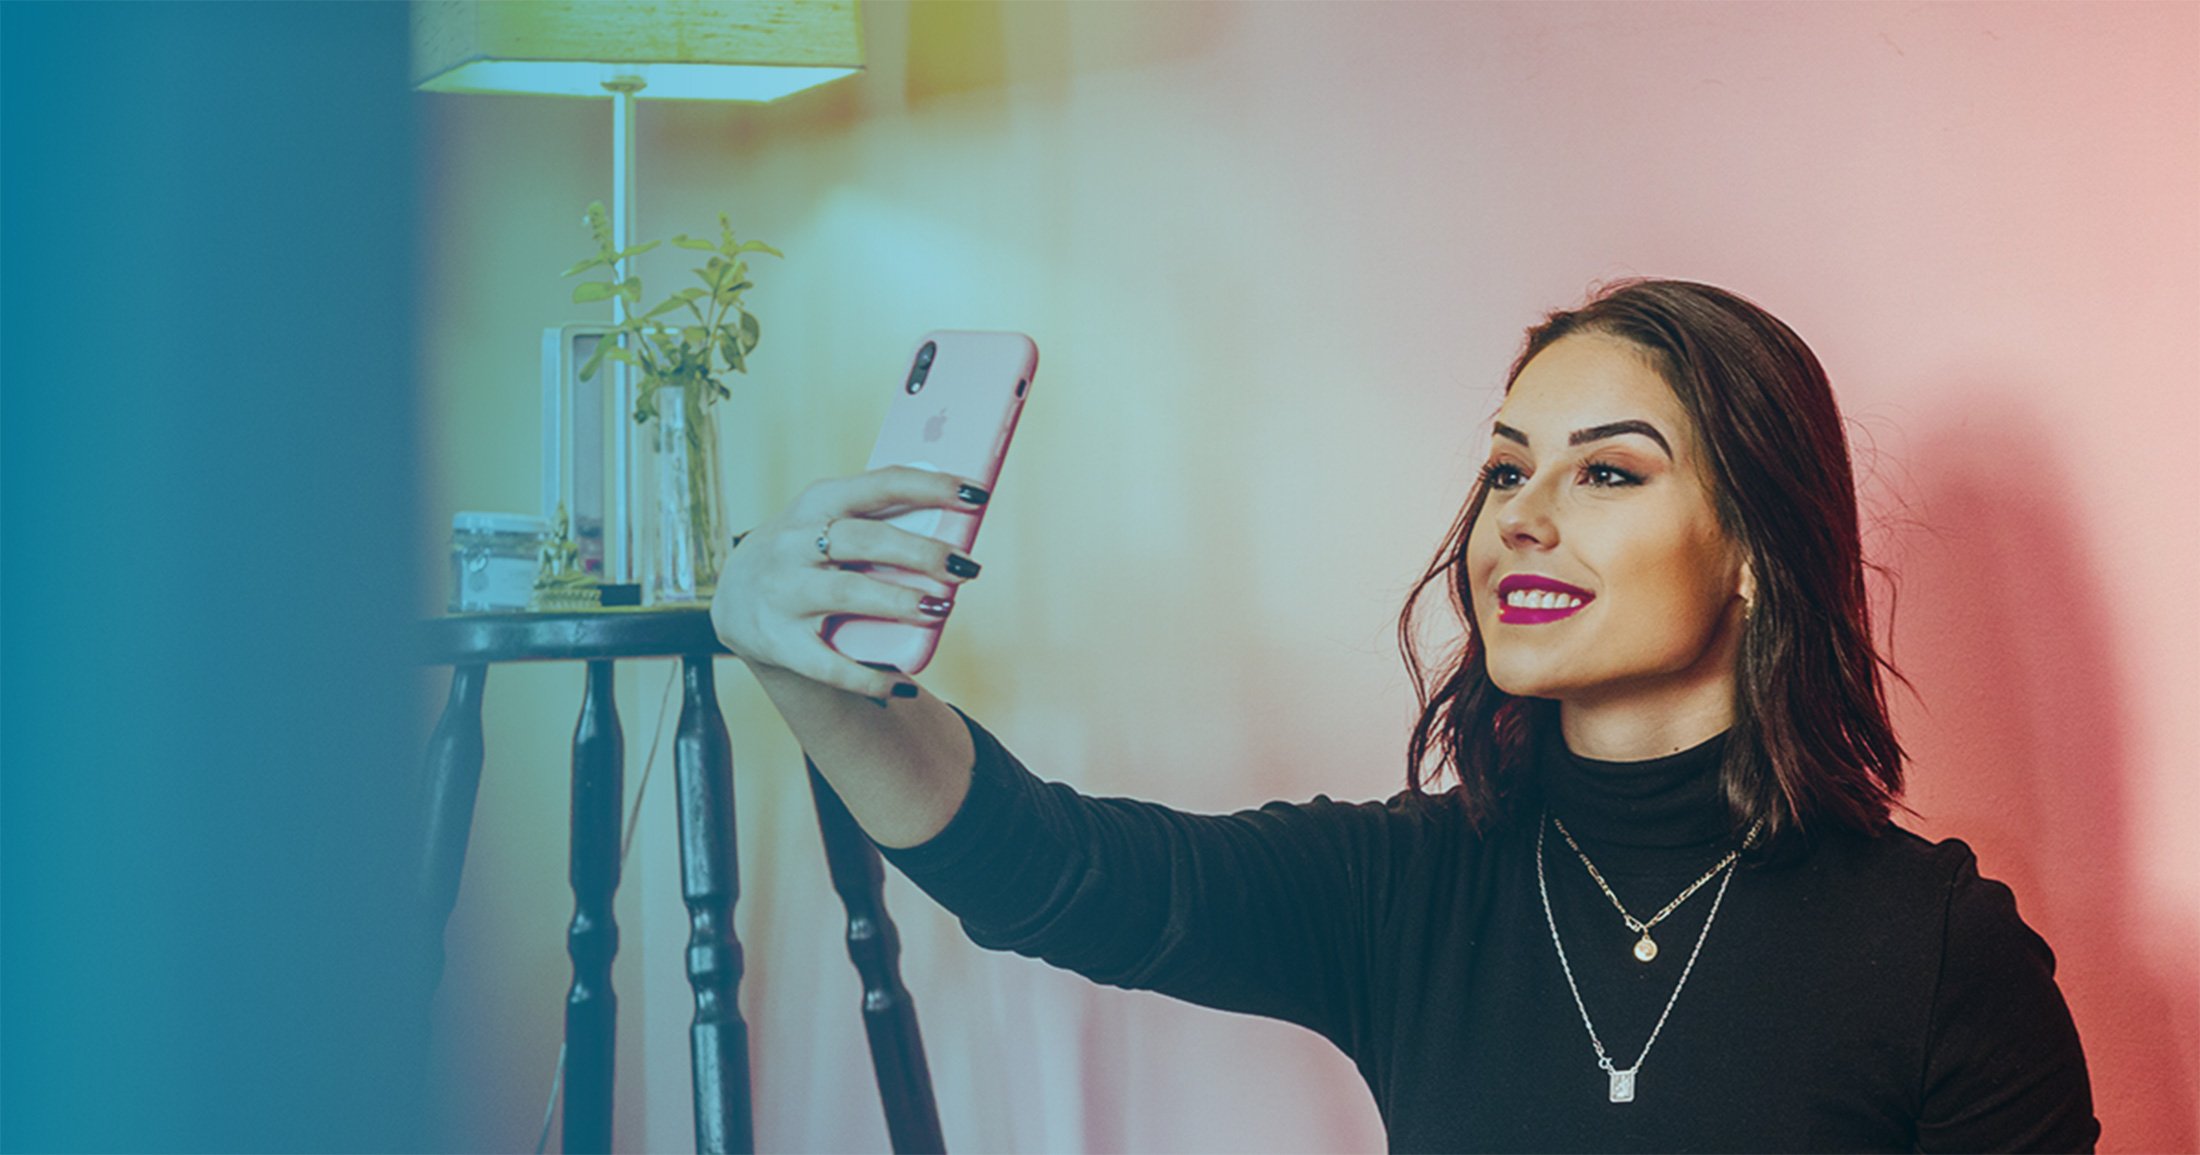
x=1523 y=684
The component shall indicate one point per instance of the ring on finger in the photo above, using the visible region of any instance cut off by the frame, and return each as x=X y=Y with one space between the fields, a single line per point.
x=825 y=539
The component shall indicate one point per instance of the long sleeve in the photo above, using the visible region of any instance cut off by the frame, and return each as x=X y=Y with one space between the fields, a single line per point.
x=1276 y=911
x=2004 y=1068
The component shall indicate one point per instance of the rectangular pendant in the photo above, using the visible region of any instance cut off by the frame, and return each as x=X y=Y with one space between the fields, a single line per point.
x=1623 y=1086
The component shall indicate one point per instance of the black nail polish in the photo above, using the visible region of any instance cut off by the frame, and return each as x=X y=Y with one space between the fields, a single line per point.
x=905 y=689
x=961 y=566
x=972 y=495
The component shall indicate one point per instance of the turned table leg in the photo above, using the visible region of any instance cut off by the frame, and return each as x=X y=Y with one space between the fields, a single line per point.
x=710 y=883
x=452 y=783
x=592 y=1008
x=889 y=1015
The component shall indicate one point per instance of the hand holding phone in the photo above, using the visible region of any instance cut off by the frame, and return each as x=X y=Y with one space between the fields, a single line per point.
x=777 y=585
x=954 y=412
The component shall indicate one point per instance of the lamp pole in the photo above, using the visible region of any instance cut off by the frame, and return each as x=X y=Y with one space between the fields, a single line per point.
x=620 y=536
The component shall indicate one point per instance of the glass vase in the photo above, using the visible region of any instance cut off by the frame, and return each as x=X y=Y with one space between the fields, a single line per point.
x=686 y=538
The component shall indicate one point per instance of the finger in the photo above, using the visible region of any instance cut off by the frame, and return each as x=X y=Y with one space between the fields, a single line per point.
x=896 y=489
x=859 y=539
x=821 y=663
x=865 y=596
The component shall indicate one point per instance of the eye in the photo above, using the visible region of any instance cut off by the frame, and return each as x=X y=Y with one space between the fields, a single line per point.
x=1495 y=470
x=1621 y=477
x=1499 y=476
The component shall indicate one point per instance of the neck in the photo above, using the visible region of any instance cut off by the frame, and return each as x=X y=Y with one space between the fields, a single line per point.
x=1673 y=800
x=1632 y=735
x=1634 y=723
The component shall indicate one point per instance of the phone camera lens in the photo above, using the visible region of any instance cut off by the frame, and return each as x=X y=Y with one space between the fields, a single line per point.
x=923 y=367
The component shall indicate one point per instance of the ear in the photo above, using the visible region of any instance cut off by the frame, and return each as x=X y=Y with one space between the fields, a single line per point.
x=1748 y=588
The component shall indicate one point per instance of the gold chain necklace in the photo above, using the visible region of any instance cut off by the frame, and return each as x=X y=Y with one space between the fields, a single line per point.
x=1646 y=948
x=1622 y=1089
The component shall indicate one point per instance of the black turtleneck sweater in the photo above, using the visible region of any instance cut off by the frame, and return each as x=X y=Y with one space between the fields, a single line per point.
x=1878 y=995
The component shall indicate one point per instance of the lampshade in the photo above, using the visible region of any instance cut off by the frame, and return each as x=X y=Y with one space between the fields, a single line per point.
x=752 y=50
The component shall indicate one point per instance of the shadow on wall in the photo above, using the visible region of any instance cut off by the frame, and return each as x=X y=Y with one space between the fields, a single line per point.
x=2006 y=626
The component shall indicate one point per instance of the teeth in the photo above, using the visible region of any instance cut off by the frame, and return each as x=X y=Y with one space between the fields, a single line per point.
x=1541 y=600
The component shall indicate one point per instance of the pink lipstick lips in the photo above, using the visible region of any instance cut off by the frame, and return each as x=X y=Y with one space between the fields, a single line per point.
x=1548 y=599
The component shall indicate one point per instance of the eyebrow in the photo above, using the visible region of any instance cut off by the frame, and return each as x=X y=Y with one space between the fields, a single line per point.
x=1595 y=433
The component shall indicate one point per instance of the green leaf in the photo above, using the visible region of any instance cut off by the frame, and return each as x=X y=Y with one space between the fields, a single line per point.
x=751 y=332
x=687 y=242
x=583 y=267
x=637 y=250
x=588 y=371
x=589 y=291
x=759 y=246
x=672 y=302
x=631 y=289
x=605 y=350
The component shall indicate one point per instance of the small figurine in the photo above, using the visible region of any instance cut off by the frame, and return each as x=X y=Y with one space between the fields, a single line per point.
x=560 y=583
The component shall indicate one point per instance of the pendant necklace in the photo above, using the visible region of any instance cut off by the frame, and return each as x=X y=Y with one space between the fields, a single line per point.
x=1646 y=948
x=1623 y=1081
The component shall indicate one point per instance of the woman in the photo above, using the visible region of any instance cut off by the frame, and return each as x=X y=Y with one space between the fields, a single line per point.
x=1664 y=906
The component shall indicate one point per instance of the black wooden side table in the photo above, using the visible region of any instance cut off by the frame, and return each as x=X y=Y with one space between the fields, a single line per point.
x=709 y=869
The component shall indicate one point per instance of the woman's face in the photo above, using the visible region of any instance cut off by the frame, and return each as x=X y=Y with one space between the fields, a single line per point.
x=1596 y=482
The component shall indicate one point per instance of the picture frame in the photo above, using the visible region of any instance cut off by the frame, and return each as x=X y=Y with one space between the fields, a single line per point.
x=576 y=446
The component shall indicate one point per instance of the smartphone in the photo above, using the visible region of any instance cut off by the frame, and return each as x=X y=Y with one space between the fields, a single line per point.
x=954 y=411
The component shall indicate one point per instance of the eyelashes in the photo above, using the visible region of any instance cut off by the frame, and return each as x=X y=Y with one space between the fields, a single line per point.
x=1621 y=478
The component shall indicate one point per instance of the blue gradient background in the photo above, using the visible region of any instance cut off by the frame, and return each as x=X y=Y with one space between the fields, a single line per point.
x=206 y=446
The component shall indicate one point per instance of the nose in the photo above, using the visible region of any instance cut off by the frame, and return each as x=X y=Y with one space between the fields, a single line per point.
x=1524 y=521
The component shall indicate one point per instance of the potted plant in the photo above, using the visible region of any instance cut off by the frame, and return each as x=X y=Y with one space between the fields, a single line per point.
x=680 y=368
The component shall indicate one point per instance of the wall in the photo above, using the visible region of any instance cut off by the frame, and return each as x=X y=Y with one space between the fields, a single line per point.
x=1276 y=258
x=206 y=458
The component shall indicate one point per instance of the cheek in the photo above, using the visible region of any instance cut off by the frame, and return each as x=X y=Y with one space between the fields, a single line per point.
x=1672 y=583
x=1481 y=557
x=1482 y=539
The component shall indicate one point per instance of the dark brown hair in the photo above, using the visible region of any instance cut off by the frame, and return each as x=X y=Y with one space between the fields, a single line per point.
x=1811 y=741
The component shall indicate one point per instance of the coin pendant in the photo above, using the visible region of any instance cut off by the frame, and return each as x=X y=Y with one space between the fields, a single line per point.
x=1646 y=950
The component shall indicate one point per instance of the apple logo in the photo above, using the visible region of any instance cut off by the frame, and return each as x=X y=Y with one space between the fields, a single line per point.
x=935 y=426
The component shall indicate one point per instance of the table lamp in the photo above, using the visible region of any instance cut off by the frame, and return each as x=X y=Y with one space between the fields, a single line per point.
x=753 y=51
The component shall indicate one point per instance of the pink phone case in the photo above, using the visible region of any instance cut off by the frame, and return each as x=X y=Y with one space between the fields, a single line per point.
x=959 y=421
